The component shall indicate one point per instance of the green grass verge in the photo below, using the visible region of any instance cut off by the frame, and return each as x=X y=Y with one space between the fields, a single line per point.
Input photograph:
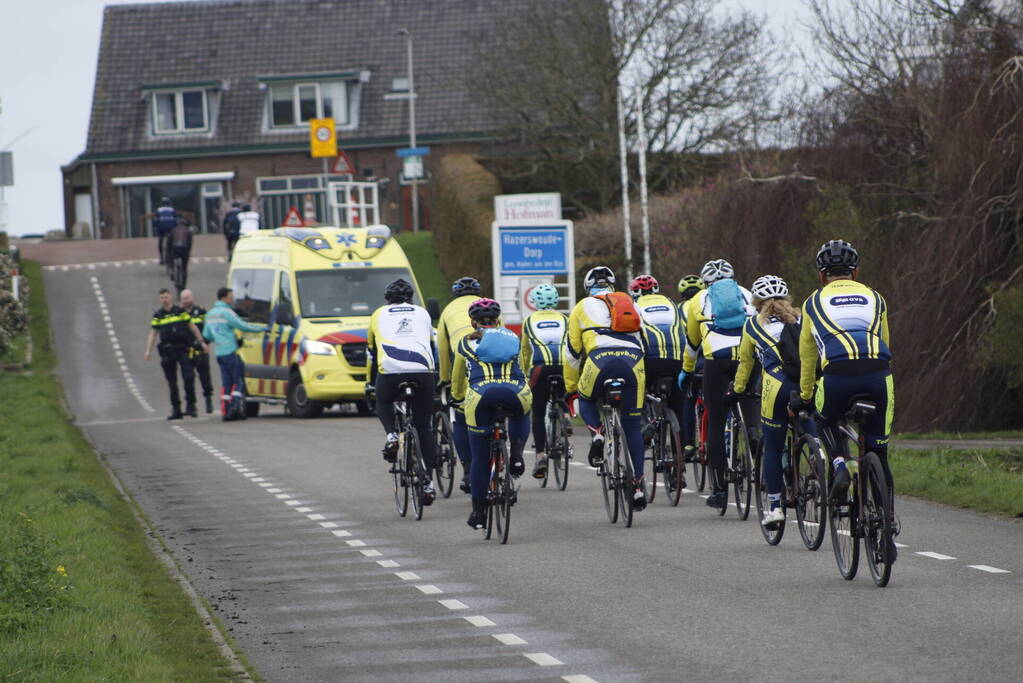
x=959 y=436
x=82 y=598
x=985 y=480
x=422 y=255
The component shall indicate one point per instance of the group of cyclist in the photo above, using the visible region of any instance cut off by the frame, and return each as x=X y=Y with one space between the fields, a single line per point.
x=813 y=360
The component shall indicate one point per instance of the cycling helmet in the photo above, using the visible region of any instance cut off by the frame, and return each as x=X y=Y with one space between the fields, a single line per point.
x=544 y=296
x=643 y=284
x=466 y=285
x=837 y=255
x=689 y=282
x=484 y=309
x=716 y=270
x=770 y=287
x=165 y=201
x=398 y=292
x=597 y=275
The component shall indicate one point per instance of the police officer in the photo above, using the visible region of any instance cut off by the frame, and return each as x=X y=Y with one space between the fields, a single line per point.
x=200 y=359
x=173 y=325
x=232 y=227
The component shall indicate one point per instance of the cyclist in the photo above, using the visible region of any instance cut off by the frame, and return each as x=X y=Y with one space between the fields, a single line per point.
x=200 y=359
x=400 y=344
x=165 y=219
x=772 y=338
x=714 y=321
x=454 y=324
x=487 y=374
x=232 y=227
x=596 y=353
x=845 y=326
x=249 y=221
x=180 y=238
x=219 y=327
x=688 y=287
x=542 y=353
x=663 y=335
x=174 y=328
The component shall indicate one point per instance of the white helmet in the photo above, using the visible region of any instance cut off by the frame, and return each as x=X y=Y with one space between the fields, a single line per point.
x=716 y=270
x=770 y=287
x=595 y=275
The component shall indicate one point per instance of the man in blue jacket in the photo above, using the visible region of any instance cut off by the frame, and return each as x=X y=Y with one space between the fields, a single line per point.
x=220 y=324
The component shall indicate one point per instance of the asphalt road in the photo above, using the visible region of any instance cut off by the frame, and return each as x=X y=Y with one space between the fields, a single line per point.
x=288 y=529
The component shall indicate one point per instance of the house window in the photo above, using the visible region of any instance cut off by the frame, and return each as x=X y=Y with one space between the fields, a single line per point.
x=294 y=104
x=180 y=111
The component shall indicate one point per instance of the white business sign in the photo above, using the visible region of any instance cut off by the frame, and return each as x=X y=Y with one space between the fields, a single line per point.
x=527 y=209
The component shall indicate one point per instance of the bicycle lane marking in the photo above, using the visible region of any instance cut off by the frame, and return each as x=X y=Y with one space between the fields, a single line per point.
x=542 y=659
x=115 y=345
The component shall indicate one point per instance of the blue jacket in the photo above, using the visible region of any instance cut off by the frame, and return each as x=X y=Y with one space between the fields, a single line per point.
x=165 y=219
x=219 y=326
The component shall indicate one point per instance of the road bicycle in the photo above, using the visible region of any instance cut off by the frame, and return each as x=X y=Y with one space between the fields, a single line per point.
x=867 y=513
x=559 y=450
x=804 y=487
x=443 y=437
x=408 y=471
x=663 y=452
x=615 y=472
x=697 y=454
x=178 y=270
x=501 y=490
x=739 y=450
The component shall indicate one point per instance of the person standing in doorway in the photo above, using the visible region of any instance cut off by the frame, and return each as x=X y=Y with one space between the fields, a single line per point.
x=176 y=332
x=249 y=221
x=232 y=227
x=200 y=359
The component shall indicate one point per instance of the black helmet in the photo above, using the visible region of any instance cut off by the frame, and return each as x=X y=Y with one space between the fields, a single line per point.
x=466 y=285
x=398 y=292
x=484 y=309
x=165 y=201
x=837 y=255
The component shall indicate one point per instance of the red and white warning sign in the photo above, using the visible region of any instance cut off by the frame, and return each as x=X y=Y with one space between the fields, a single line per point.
x=293 y=219
x=342 y=164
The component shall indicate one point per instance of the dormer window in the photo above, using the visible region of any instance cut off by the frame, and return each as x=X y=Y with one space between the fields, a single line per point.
x=180 y=111
x=294 y=104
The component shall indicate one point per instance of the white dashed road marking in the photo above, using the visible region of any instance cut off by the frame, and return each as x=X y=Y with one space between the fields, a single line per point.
x=543 y=659
x=989 y=569
x=453 y=604
x=429 y=589
x=116 y=345
x=480 y=621
x=935 y=556
x=579 y=678
x=508 y=639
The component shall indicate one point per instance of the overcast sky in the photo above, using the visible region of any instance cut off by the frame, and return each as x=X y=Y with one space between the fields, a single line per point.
x=48 y=52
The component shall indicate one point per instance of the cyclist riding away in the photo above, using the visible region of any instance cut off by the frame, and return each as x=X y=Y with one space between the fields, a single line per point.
x=688 y=287
x=714 y=321
x=542 y=355
x=165 y=219
x=486 y=375
x=232 y=227
x=663 y=336
x=603 y=345
x=454 y=324
x=180 y=238
x=845 y=326
x=400 y=344
x=772 y=338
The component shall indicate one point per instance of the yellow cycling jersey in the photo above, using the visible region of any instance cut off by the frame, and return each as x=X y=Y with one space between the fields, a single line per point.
x=453 y=325
x=702 y=335
x=472 y=374
x=663 y=333
x=400 y=339
x=843 y=320
x=759 y=343
x=544 y=335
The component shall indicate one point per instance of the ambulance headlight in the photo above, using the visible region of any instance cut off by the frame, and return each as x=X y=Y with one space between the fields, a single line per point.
x=377 y=237
x=318 y=348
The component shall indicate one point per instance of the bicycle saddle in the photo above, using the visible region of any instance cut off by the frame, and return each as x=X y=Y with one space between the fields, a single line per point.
x=861 y=408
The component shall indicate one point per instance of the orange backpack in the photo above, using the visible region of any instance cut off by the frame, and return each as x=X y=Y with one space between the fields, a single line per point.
x=624 y=316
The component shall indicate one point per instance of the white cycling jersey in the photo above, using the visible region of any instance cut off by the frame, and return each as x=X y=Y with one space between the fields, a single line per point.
x=400 y=337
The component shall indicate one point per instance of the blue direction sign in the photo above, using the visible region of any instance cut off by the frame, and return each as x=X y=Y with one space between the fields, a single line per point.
x=533 y=250
x=413 y=152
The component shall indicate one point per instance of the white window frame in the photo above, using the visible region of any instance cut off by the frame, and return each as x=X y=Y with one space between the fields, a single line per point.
x=179 y=111
x=296 y=104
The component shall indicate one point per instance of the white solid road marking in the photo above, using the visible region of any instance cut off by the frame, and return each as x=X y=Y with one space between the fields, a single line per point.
x=453 y=604
x=989 y=569
x=480 y=621
x=935 y=556
x=543 y=659
x=407 y=576
x=578 y=678
x=429 y=589
x=508 y=639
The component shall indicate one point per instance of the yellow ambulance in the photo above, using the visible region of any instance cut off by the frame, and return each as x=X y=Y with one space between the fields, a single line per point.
x=316 y=288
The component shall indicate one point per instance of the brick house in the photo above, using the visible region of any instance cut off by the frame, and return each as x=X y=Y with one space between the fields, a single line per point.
x=207 y=101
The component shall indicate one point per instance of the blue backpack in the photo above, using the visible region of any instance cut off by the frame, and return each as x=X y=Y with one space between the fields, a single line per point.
x=498 y=345
x=727 y=305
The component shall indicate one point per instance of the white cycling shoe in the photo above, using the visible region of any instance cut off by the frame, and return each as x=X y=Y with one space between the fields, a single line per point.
x=772 y=518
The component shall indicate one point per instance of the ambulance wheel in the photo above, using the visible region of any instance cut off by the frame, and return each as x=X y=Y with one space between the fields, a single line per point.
x=299 y=403
x=252 y=409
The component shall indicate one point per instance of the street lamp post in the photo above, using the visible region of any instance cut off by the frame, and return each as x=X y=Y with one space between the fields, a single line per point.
x=412 y=125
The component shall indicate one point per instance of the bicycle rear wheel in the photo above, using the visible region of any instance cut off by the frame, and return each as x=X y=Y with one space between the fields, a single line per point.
x=623 y=472
x=606 y=475
x=741 y=462
x=445 y=465
x=501 y=504
x=700 y=450
x=772 y=536
x=414 y=471
x=877 y=512
x=674 y=460
x=401 y=493
x=810 y=496
x=652 y=453
x=492 y=490
x=844 y=540
x=558 y=449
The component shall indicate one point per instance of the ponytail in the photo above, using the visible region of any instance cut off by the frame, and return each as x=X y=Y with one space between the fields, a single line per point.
x=778 y=307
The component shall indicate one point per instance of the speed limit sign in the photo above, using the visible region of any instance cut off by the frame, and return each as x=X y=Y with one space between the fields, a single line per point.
x=322 y=138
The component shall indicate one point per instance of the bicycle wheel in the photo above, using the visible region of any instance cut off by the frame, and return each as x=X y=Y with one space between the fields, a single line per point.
x=652 y=449
x=606 y=475
x=674 y=461
x=507 y=501
x=810 y=495
x=401 y=493
x=772 y=536
x=844 y=540
x=492 y=488
x=542 y=481
x=623 y=473
x=445 y=455
x=414 y=471
x=877 y=513
x=700 y=450
x=741 y=462
x=179 y=273
x=558 y=449
x=501 y=504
